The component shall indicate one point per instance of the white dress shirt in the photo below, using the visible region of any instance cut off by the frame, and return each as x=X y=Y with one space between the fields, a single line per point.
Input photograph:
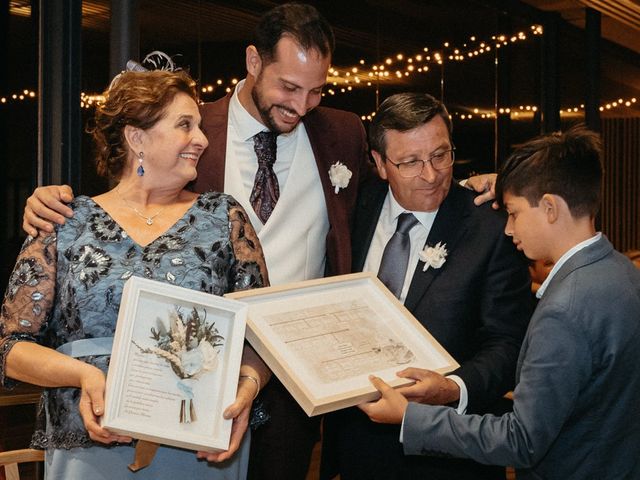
x=294 y=237
x=386 y=227
x=242 y=127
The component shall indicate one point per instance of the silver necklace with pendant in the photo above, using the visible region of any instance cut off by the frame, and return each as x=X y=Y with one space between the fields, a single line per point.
x=148 y=220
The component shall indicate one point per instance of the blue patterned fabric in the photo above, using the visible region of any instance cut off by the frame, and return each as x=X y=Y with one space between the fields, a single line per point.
x=67 y=286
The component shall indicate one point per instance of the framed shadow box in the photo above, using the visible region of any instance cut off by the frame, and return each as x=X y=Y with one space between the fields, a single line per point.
x=174 y=366
x=322 y=338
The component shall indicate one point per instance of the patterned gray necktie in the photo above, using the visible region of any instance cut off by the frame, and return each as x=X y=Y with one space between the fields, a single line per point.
x=395 y=258
x=265 y=191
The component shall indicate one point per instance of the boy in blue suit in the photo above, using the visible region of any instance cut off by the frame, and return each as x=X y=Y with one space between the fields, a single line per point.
x=576 y=412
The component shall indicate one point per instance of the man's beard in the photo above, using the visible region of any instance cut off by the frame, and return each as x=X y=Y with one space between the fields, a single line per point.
x=266 y=111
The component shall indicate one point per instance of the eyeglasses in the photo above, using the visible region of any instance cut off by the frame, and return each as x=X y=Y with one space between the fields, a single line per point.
x=439 y=161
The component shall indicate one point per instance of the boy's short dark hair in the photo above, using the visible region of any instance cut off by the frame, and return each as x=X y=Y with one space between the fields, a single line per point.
x=404 y=112
x=565 y=164
x=302 y=22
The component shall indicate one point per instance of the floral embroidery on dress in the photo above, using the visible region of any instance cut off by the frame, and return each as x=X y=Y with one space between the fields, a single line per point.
x=154 y=252
x=26 y=272
x=210 y=203
x=212 y=248
x=89 y=263
x=105 y=228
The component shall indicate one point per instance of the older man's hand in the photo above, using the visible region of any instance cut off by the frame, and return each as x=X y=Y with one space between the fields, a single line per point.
x=430 y=388
x=485 y=185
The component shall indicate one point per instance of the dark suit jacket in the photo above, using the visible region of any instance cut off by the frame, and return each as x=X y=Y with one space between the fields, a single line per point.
x=576 y=412
x=477 y=305
x=335 y=136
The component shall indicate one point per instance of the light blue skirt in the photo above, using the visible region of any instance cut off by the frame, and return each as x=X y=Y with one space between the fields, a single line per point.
x=98 y=463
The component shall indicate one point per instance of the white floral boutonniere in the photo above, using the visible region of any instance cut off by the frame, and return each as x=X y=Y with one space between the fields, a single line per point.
x=339 y=175
x=434 y=256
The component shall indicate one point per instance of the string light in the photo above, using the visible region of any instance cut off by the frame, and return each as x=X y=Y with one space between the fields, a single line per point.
x=516 y=113
x=403 y=65
x=25 y=94
x=527 y=111
x=219 y=84
x=89 y=101
x=619 y=103
x=368 y=117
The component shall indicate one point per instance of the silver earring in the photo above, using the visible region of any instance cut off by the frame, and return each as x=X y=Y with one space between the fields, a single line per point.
x=140 y=167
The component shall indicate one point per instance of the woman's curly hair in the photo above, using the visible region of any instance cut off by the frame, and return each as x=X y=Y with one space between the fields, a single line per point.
x=139 y=99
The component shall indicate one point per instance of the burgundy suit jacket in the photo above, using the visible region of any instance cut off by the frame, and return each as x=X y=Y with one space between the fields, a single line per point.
x=335 y=136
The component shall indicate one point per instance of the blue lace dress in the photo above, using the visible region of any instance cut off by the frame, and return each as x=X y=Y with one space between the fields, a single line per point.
x=67 y=286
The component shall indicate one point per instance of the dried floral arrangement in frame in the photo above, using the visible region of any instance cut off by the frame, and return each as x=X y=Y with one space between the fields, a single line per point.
x=174 y=365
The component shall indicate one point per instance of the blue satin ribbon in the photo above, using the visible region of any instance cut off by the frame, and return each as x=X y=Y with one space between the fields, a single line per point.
x=87 y=347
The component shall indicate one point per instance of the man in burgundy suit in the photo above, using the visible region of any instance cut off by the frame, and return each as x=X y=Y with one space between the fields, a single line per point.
x=307 y=234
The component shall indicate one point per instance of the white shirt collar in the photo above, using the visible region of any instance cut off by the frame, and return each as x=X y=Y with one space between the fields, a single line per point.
x=246 y=126
x=395 y=209
x=567 y=255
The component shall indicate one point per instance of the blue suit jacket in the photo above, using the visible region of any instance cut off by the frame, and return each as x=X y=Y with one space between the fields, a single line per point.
x=576 y=411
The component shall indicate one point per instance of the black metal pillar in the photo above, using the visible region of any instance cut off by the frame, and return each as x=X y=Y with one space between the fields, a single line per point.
x=549 y=92
x=592 y=96
x=59 y=117
x=125 y=34
x=502 y=133
x=6 y=252
x=4 y=88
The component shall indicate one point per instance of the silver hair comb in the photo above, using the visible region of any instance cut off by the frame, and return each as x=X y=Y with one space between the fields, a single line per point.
x=155 y=60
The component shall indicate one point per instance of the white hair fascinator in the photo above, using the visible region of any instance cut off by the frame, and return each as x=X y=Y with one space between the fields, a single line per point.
x=155 y=60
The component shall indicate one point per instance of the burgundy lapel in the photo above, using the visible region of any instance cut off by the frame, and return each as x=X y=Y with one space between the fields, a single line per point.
x=448 y=227
x=211 y=165
x=322 y=132
x=322 y=140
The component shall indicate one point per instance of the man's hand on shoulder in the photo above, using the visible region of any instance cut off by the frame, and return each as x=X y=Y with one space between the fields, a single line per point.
x=46 y=206
x=485 y=185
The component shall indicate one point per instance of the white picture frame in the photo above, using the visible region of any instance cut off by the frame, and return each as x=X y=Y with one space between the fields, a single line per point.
x=174 y=400
x=322 y=338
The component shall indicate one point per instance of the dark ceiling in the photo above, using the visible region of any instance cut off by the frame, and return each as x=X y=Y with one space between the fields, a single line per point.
x=211 y=37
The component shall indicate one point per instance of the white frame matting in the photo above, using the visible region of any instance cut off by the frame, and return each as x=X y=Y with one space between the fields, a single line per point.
x=322 y=338
x=175 y=400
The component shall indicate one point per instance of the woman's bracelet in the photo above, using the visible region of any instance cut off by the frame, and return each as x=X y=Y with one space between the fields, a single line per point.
x=254 y=380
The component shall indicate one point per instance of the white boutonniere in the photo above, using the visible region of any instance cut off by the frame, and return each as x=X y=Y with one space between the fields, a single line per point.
x=434 y=256
x=339 y=175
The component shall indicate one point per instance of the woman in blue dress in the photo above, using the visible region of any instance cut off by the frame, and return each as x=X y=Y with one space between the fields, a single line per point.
x=66 y=286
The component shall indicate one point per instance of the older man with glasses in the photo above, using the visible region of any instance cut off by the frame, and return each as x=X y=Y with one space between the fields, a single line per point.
x=451 y=265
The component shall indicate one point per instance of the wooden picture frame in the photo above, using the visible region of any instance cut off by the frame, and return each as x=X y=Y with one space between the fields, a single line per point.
x=322 y=338
x=174 y=365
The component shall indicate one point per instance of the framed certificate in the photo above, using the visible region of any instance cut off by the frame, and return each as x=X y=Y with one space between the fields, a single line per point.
x=323 y=338
x=174 y=365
